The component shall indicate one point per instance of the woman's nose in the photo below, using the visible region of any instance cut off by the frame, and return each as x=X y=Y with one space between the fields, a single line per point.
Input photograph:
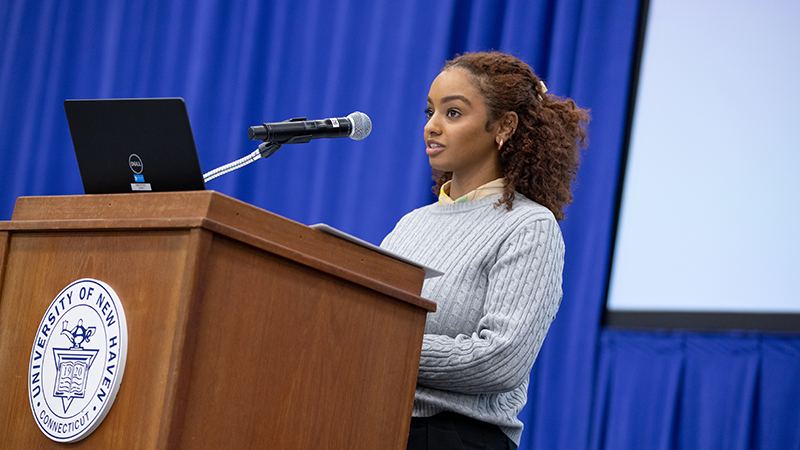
x=432 y=127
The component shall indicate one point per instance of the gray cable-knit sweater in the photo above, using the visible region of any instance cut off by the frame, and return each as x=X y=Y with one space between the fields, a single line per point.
x=499 y=293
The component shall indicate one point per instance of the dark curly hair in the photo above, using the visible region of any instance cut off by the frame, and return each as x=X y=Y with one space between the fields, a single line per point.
x=540 y=160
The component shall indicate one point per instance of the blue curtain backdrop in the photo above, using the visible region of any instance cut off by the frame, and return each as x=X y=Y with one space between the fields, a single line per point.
x=240 y=63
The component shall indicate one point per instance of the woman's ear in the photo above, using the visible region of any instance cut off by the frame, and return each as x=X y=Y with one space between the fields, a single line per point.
x=508 y=125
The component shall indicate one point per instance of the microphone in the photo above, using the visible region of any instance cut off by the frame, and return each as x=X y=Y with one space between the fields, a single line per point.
x=356 y=126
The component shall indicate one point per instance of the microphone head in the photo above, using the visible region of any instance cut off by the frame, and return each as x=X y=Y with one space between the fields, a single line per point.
x=361 y=126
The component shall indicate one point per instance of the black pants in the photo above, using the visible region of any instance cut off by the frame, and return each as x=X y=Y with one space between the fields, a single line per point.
x=451 y=431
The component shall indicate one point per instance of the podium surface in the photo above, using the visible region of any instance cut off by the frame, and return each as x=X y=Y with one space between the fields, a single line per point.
x=245 y=329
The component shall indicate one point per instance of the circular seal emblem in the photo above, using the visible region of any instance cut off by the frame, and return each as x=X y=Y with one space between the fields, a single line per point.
x=77 y=360
x=135 y=163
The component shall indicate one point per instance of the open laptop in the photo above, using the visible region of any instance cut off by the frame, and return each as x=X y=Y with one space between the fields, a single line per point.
x=134 y=145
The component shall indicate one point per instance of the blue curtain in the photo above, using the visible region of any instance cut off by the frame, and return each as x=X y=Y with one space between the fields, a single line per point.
x=238 y=63
x=683 y=390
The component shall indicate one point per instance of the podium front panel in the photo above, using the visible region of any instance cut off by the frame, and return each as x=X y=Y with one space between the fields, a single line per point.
x=146 y=269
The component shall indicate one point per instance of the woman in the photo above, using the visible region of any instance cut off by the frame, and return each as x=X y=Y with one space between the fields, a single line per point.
x=504 y=154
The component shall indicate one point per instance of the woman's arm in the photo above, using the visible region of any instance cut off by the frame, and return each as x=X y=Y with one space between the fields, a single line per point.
x=524 y=293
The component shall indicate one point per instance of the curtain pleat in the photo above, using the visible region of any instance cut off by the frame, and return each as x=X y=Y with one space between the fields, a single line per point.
x=777 y=413
x=680 y=390
x=639 y=391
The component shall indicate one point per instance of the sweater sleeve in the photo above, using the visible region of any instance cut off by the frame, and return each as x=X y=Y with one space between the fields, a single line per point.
x=524 y=293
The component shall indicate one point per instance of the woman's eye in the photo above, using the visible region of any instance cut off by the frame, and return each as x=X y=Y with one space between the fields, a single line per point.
x=428 y=112
x=453 y=113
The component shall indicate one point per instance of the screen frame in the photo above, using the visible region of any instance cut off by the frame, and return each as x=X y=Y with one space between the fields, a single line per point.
x=687 y=320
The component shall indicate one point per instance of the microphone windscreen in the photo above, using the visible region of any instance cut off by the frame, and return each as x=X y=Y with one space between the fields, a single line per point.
x=362 y=125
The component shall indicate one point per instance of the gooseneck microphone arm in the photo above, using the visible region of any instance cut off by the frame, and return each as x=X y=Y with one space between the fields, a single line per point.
x=265 y=150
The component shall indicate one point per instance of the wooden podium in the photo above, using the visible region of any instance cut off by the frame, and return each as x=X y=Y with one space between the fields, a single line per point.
x=246 y=330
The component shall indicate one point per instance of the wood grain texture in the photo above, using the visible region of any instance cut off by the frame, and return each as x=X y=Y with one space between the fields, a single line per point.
x=291 y=360
x=142 y=268
x=183 y=347
x=221 y=209
x=245 y=330
x=4 y=237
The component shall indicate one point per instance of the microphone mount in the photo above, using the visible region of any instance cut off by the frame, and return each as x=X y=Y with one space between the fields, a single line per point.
x=301 y=139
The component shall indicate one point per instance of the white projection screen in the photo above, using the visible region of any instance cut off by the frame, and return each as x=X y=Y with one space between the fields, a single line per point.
x=709 y=219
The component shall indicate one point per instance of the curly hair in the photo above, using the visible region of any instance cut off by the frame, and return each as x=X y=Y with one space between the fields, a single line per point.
x=540 y=160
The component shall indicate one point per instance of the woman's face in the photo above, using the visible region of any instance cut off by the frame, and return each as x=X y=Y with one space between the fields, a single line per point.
x=455 y=136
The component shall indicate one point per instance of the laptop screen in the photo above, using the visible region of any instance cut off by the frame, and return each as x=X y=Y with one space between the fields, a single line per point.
x=134 y=145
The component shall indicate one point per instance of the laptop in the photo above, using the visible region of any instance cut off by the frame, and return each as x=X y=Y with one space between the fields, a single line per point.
x=134 y=145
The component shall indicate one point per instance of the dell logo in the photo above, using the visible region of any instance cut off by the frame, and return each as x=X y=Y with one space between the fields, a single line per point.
x=136 y=163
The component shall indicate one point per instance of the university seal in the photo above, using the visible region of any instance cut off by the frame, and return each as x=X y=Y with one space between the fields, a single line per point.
x=78 y=360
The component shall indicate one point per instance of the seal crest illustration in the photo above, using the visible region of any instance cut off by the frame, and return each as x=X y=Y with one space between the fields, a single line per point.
x=77 y=360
